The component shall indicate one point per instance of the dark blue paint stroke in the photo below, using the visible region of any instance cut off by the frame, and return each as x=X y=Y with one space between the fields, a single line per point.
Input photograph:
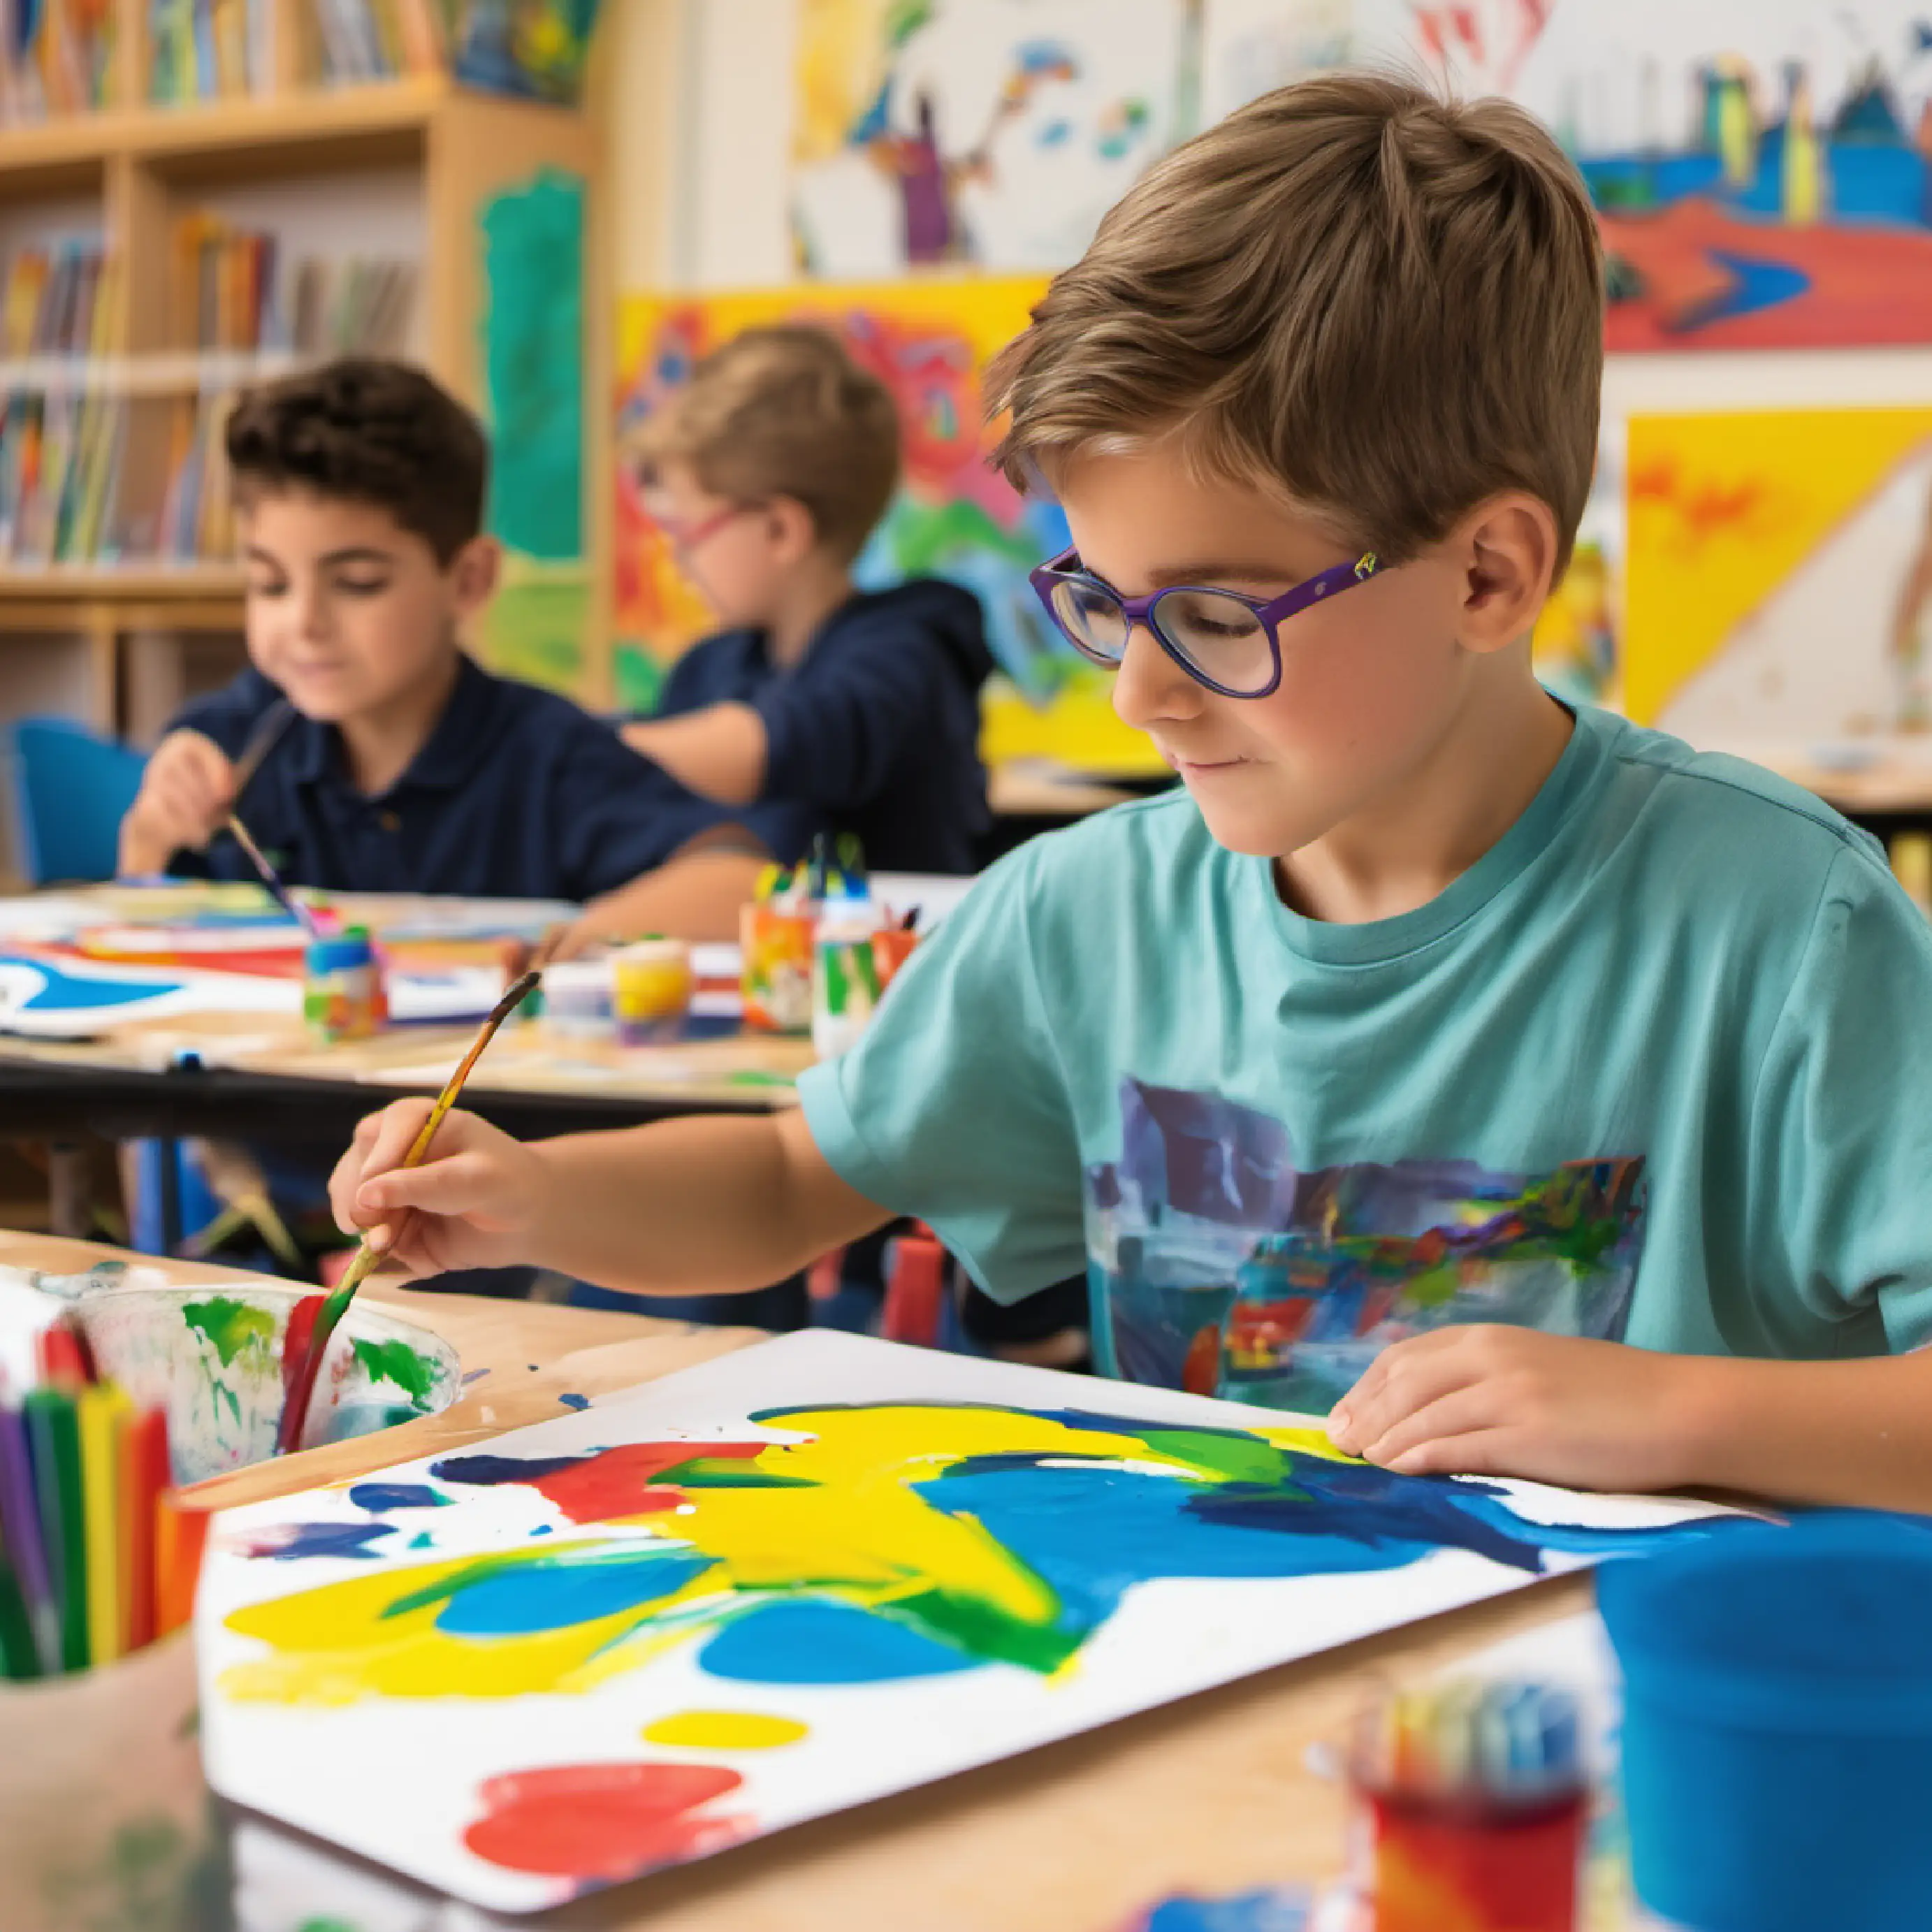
x=793 y=1642
x=552 y=1593
x=288 y=1541
x=489 y=1471
x=572 y=1400
x=377 y=1497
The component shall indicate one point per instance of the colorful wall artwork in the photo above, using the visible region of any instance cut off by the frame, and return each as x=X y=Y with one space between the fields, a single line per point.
x=806 y=1575
x=994 y=132
x=954 y=517
x=1762 y=169
x=1778 y=591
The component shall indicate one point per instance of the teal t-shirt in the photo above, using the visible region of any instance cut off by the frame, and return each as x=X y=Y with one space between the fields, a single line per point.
x=1658 y=1067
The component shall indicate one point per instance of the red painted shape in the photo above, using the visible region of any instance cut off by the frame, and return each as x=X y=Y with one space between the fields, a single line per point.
x=617 y=1482
x=602 y=1822
x=1201 y=1372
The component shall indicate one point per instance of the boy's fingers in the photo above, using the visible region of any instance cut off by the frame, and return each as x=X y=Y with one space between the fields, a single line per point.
x=454 y=1186
x=379 y=1142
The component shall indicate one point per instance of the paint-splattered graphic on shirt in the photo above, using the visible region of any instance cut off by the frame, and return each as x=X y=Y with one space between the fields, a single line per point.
x=1219 y=1266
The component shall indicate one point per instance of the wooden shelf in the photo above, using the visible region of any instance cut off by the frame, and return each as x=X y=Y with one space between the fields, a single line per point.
x=426 y=158
x=140 y=582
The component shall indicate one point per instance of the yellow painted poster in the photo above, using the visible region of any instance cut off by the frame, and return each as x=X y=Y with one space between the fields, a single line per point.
x=954 y=517
x=1778 y=577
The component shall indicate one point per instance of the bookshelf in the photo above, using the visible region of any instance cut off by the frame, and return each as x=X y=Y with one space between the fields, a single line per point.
x=123 y=598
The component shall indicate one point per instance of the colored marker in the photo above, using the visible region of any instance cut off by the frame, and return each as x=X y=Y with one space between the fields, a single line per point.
x=146 y=1479
x=180 y=1536
x=53 y=1434
x=63 y=1357
x=103 y=1415
x=19 y=1649
x=26 y=1544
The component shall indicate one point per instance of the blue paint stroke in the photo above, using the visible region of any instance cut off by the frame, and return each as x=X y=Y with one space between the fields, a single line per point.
x=573 y=1400
x=802 y=1641
x=288 y=1542
x=1266 y=1910
x=486 y=1471
x=375 y=1498
x=508 y=1596
x=62 y=990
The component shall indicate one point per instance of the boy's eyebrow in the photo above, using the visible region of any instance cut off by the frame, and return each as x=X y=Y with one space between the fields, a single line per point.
x=357 y=553
x=1210 y=571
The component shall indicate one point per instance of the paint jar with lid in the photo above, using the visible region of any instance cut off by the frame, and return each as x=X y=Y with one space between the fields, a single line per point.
x=342 y=988
x=577 y=1000
x=651 y=990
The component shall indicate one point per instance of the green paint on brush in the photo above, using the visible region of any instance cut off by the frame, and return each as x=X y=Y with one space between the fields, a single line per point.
x=411 y=1371
x=229 y=1327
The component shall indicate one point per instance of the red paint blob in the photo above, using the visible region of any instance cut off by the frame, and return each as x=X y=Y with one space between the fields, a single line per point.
x=601 y=1821
x=617 y=1482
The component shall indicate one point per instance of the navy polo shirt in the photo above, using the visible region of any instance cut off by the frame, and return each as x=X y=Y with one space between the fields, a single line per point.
x=517 y=793
x=877 y=728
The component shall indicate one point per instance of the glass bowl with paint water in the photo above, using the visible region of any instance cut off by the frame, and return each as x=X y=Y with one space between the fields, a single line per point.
x=214 y=1357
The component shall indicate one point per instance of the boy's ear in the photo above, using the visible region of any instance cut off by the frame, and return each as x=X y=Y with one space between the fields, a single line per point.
x=794 y=529
x=473 y=572
x=1507 y=547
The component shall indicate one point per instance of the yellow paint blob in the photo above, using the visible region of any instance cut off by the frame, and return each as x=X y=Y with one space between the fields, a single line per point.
x=724 y=1730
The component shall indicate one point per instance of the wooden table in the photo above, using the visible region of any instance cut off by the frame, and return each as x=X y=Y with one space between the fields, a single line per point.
x=1214 y=1794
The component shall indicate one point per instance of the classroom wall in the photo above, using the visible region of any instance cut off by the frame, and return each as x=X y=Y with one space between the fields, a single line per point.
x=703 y=90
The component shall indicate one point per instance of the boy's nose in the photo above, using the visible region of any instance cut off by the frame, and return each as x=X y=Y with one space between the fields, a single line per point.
x=1149 y=687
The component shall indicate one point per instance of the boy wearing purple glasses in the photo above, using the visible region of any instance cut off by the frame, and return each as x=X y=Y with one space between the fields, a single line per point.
x=1533 y=1094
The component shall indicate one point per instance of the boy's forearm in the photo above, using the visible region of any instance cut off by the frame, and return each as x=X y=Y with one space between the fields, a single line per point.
x=695 y=895
x=719 y=752
x=711 y=1204
x=1857 y=1433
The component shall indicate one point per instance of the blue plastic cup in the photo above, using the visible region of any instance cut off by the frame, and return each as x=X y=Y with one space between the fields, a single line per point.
x=1777 y=1725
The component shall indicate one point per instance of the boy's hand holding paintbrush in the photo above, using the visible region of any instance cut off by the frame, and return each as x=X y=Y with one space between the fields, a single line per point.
x=187 y=793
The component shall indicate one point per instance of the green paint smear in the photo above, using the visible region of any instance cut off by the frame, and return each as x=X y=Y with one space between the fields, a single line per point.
x=229 y=1327
x=412 y=1372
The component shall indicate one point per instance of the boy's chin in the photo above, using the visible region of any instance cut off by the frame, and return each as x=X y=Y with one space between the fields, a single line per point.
x=1254 y=835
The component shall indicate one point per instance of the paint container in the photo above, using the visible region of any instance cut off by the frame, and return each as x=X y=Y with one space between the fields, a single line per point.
x=777 y=944
x=845 y=979
x=213 y=1358
x=651 y=990
x=1459 y=1820
x=892 y=945
x=342 y=988
x=578 y=1000
x=104 y=1819
x=1777 y=1725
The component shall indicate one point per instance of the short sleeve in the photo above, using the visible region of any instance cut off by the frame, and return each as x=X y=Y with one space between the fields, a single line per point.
x=953 y=1107
x=617 y=816
x=1840 y=1194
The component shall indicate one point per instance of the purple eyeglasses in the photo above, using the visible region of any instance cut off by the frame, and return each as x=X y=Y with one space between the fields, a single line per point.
x=1229 y=643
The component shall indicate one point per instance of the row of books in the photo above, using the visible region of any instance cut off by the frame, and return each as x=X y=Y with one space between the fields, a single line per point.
x=60 y=467
x=209 y=49
x=532 y=49
x=57 y=300
x=196 y=517
x=235 y=291
x=56 y=57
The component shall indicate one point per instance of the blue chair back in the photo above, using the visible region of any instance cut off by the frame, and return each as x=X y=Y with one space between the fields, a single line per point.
x=71 y=791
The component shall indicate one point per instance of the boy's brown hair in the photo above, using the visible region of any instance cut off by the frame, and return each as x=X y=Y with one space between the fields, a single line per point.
x=784 y=412
x=369 y=430
x=1385 y=305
